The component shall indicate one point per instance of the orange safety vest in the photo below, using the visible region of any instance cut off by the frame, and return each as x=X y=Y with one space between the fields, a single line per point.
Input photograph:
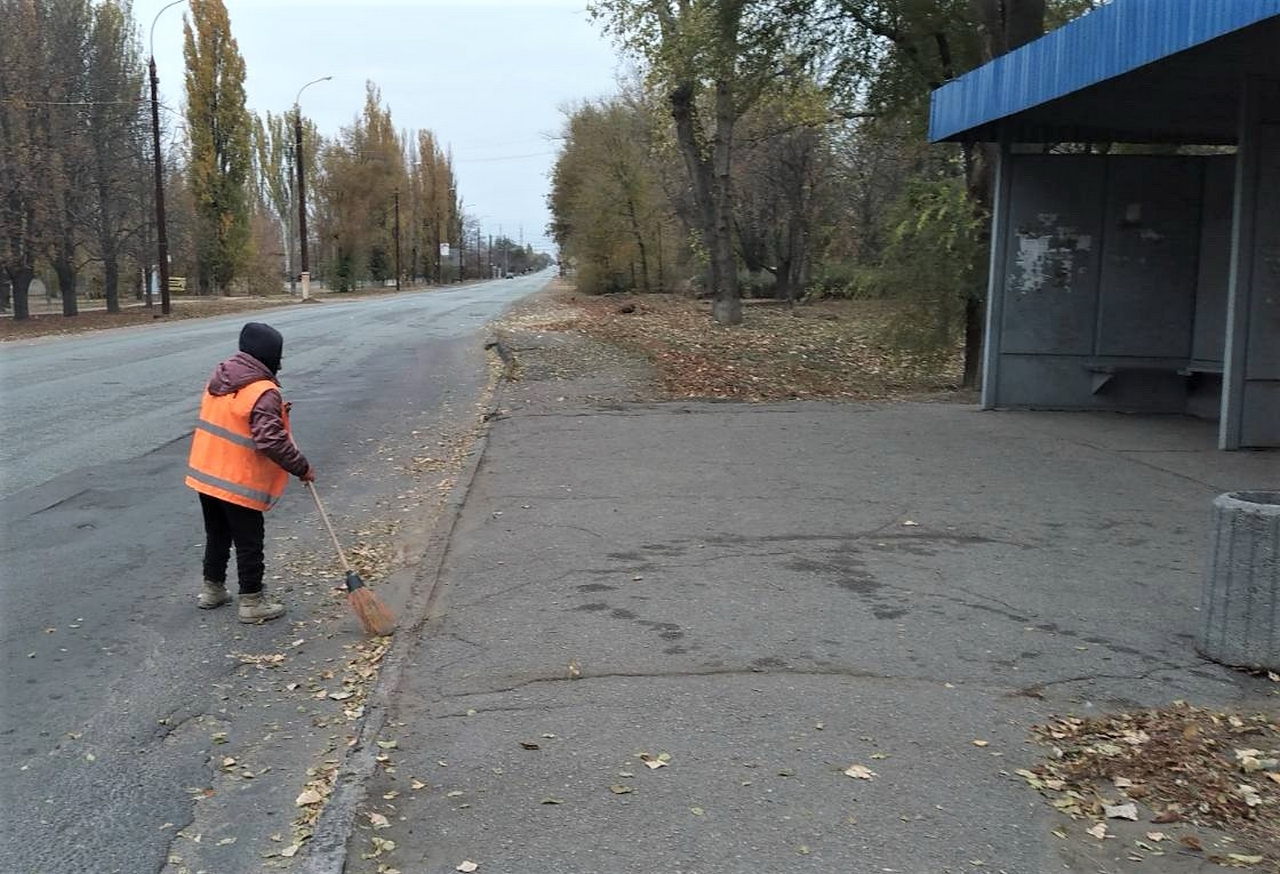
x=224 y=461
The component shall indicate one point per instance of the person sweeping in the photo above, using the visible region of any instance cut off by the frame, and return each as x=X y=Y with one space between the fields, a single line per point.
x=242 y=454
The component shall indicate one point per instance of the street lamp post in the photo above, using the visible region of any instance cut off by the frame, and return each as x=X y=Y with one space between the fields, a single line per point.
x=162 y=238
x=397 y=239
x=462 y=242
x=302 y=188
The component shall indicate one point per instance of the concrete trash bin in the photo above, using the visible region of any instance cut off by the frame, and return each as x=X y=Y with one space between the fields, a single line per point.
x=1240 y=601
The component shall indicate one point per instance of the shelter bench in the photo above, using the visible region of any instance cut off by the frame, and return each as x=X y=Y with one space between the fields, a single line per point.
x=1104 y=372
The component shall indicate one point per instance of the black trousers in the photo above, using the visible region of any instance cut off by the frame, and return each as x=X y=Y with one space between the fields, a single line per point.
x=225 y=525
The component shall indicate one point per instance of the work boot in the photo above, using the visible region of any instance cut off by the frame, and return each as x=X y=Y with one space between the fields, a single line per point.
x=255 y=608
x=213 y=595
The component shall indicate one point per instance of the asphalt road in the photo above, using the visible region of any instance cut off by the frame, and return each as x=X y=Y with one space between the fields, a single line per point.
x=114 y=684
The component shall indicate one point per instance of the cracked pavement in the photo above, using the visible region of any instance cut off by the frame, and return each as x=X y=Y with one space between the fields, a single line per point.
x=770 y=594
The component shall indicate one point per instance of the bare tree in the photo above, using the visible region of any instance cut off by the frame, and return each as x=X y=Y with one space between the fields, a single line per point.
x=23 y=159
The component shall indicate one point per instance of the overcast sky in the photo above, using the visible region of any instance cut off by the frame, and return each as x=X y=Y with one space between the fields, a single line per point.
x=489 y=78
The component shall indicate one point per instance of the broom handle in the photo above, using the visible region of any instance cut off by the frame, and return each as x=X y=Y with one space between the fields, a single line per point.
x=324 y=517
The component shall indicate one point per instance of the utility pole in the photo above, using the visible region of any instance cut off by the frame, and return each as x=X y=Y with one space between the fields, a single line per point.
x=302 y=188
x=397 y=239
x=162 y=238
x=289 y=229
x=489 y=252
x=462 y=242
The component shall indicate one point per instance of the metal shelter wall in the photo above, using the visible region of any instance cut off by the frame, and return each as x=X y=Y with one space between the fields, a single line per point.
x=1103 y=303
x=1140 y=283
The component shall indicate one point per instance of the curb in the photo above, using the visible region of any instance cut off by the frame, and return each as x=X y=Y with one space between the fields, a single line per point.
x=326 y=851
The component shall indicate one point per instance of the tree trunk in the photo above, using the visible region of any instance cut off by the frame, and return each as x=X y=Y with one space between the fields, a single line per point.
x=111 y=282
x=639 y=235
x=684 y=114
x=1005 y=25
x=66 y=272
x=20 y=281
x=727 y=304
x=782 y=280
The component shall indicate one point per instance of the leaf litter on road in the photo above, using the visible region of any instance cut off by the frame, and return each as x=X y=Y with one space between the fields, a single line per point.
x=1192 y=766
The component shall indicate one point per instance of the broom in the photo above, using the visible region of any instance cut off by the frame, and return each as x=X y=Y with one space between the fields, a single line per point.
x=372 y=613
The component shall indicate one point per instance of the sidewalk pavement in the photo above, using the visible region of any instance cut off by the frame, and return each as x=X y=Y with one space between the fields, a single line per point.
x=770 y=594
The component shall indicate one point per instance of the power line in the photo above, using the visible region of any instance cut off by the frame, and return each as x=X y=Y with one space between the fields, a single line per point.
x=19 y=101
x=501 y=158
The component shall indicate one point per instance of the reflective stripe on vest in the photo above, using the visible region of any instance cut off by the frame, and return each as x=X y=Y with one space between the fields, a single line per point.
x=224 y=461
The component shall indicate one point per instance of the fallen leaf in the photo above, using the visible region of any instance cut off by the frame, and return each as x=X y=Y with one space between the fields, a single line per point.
x=225 y=841
x=860 y=772
x=654 y=762
x=550 y=800
x=309 y=796
x=1156 y=836
x=454 y=794
x=290 y=851
x=380 y=845
x=1191 y=842
x=416 y=784
x=619 y=789
x=341 y=696
x=697 y=811
x=1167 y=817
x=529 y=745
x=981 y=743
x=467 y=866
x=377 y=820
x=1121 y=811
x=1242 y=859
x=388 y=744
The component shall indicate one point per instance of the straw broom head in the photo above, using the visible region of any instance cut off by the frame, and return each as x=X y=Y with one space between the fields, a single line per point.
x=374 y=616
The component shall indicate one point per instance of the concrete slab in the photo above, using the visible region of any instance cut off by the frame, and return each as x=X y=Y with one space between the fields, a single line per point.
x=772 y=593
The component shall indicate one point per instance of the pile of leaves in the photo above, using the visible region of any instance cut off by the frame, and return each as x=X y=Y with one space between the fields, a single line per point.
x=824 y=350
x=1190 y=765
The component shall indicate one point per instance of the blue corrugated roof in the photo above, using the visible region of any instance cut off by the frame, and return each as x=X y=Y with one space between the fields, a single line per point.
x=1110 y=41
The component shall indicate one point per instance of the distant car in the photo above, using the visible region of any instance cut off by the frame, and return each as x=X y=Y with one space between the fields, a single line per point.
x=510 y=276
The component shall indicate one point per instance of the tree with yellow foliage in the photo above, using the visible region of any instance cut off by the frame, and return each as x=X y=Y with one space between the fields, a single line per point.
x=218 y=129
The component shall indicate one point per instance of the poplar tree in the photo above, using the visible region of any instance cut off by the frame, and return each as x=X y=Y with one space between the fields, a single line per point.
x=218 y=130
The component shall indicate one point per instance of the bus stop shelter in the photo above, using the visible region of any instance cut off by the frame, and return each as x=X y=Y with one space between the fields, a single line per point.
x=1139 y=276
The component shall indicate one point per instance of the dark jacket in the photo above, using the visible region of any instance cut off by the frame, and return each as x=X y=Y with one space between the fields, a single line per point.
x=266 y=422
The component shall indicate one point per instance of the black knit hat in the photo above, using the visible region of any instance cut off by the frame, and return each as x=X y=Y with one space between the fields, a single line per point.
x=264 y=343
